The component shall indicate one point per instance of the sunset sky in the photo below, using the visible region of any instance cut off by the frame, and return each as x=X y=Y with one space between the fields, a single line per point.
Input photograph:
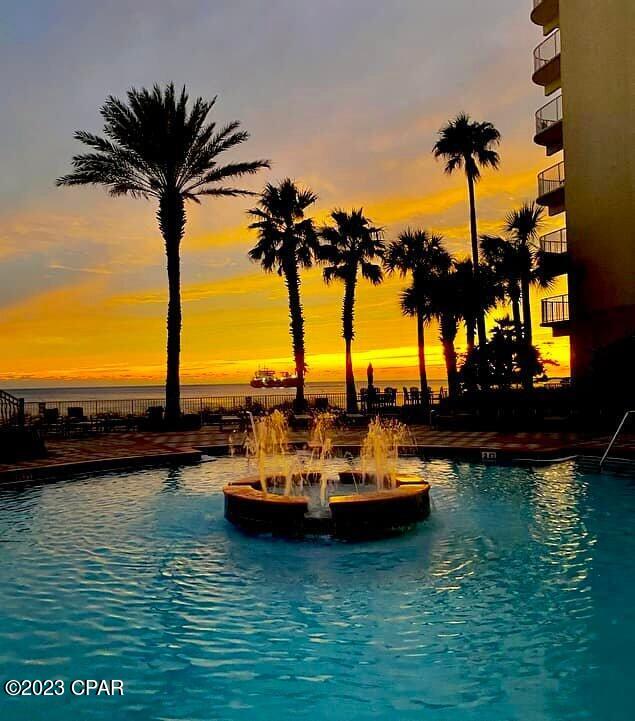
x=345 y=97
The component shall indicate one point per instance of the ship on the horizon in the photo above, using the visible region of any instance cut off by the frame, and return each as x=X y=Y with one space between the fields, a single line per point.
x=267 y=378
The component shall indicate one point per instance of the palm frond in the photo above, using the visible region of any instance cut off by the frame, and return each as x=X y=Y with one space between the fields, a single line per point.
x=157 y=143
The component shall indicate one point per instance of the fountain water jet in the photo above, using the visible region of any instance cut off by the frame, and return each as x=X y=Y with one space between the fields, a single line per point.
x=381 y=505
x=379 y=455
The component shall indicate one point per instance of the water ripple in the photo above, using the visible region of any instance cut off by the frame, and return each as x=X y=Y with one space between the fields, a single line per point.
x=515 y=600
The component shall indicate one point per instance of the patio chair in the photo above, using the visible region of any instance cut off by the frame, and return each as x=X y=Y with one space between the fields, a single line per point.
x=75 y=413
x=77 y=423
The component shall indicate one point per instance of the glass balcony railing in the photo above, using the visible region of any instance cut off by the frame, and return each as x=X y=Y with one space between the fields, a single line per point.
x=555 y=310
x=554 y=243
x=551 y=179
x=549 y=115
x=547 y=51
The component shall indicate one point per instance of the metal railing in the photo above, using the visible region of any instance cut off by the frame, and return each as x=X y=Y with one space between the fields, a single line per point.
x=547 y=51
x=617 y=433
x=551 y=179
x=549 y=114
x=137 y=407
x=555 y=242
x=555 y=310
x=11 y=410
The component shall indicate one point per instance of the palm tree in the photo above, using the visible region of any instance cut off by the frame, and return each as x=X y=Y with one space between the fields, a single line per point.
x=448 y=328
x=158 y=146
x=423 y=256
x=470 y=145
x=517 y=264
x=350 y=247
x=287 y=241
x=504 y=262
x=467 y=299
x=523 y=226
x=439 y=299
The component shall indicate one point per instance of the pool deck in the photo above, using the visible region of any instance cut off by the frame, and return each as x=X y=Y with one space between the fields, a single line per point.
x=108 y=451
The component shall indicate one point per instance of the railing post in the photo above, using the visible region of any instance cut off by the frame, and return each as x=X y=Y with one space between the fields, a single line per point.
x=21 y=412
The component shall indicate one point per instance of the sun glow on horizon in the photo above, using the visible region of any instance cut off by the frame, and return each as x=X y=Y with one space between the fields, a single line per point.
x=83 y=288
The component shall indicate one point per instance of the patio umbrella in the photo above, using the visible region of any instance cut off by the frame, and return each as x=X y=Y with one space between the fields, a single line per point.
x=370 y=373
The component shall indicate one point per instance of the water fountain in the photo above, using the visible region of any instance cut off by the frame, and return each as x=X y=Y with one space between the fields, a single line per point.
x=293 y=495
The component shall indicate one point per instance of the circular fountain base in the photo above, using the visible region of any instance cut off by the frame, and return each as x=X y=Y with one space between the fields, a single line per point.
x=371 y=514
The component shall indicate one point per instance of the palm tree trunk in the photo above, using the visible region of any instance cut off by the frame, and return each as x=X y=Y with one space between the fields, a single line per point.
x=292 y=280
x=448 y=333
x=526 y=309
x=423 y=373
x=348 y=312
x=518 y=326
x=480 y=316
x=351 y=391
x=469 y=331
x=528 y=380
x=171 y=217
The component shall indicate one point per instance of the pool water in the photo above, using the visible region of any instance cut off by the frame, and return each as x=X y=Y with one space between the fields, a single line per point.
x=515 y=600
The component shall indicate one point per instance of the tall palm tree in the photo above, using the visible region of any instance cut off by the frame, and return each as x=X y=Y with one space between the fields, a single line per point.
x=439 y=300
x=350 y=248
x=468 y=145
x=523 y=226
x=504 y=261
x=448 y=329
x=466 y=297
x=422 y=255
x=159 y=146
x=287 y=242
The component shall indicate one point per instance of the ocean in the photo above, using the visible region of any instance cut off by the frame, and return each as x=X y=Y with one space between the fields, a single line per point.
x=151 y=392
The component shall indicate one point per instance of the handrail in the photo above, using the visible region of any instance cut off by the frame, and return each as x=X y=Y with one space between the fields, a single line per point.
x=549 y=114
x=551 y=179
x=547 y=51
x=617 y=432
x=555 y=242
x=11 y=409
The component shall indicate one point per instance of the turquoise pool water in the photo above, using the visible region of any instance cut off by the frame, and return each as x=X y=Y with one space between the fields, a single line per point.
x=514 y=601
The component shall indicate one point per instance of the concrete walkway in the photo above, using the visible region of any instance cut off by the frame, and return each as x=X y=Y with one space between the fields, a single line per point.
x=112 y=450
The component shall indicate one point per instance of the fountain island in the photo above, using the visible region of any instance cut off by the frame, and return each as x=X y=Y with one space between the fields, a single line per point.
x=295 y=497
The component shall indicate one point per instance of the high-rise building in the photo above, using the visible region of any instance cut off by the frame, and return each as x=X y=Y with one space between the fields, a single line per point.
x=586 y=66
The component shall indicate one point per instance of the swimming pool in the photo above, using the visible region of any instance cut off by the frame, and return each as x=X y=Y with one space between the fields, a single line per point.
x=514 y=600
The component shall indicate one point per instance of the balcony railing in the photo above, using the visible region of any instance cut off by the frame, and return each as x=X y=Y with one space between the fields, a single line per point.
x=555 y=310
x=549 y=115
x=547 y=51
x=551 y=179
x=554 y=243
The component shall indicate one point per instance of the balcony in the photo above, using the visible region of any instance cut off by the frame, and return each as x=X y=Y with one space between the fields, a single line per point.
x=546 y=13
x=553 y=248
x=551 y=188
x=549 y=126
x=547 y=63
x=555 y=314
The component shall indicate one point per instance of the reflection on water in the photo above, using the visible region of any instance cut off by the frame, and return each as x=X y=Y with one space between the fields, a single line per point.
x=514 y=600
